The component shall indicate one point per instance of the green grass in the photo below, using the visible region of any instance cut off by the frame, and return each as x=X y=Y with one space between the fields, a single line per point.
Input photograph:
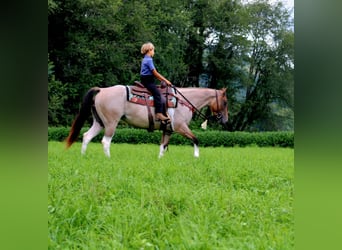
x=229 y=198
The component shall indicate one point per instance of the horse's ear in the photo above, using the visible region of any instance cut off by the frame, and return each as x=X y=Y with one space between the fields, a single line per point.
x=224 y=90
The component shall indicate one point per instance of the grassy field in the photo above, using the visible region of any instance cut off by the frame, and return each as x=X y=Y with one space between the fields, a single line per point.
x=229 y=198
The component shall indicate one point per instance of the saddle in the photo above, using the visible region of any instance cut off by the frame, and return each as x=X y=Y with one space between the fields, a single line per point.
x=138 y=94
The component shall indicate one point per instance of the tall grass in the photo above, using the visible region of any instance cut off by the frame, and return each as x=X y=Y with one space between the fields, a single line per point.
x=229 y=198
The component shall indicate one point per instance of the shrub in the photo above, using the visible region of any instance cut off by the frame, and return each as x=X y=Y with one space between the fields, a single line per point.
x=206 y=138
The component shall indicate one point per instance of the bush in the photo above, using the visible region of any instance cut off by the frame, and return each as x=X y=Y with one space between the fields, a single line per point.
x=206 y=138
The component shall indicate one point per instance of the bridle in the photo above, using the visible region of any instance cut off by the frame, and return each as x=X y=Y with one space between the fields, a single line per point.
x=218 y=115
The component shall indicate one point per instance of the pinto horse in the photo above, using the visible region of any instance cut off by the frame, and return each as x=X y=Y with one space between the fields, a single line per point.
x=109 y=105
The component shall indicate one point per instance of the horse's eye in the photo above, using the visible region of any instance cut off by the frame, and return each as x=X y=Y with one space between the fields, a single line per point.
x=225 y=103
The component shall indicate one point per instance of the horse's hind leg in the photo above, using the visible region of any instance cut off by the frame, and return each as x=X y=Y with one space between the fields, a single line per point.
x=107 y=138
x=90 y=134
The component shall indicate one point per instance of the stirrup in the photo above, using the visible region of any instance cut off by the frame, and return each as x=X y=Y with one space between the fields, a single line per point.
x=165 y=122
x=163 y=118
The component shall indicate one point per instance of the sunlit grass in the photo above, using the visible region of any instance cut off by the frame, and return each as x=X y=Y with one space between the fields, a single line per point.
x=229 y=198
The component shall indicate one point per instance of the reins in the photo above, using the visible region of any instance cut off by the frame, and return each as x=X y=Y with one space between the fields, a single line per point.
x=193 y=106
x=206 y=118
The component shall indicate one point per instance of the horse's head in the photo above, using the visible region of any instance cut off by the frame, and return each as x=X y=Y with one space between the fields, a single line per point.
x=219 y=106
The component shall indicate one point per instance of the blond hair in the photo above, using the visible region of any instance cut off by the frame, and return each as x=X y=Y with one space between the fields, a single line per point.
x=146 y=47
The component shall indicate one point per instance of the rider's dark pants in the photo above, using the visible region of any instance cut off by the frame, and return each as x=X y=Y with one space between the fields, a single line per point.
x=148 y=82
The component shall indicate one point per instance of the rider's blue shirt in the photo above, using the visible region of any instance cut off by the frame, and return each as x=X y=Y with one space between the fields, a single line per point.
x=147 y=66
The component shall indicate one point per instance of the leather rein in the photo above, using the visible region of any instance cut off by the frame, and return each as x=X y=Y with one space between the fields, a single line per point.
x=219 y=114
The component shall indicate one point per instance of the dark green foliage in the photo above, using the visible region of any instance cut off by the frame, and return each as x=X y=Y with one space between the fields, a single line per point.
x=57 y=133
x=206 y=138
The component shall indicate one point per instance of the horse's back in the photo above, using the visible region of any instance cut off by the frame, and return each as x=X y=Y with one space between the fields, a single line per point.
x=111 y=94
x=113 y=90
x=110 y=100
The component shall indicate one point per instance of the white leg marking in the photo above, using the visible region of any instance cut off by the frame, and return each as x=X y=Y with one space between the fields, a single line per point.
x=85 y=142
x=89 y=135
x=196 y=153
x=161 y=151
x=171 y=112
x=106 y=145
x=84 y=148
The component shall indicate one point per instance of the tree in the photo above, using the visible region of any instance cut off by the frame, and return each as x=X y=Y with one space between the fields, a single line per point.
x=57 y=94
x=196 y=39
x=97 y=43
x=83 y=45
x=170 y=21
x=268 y=67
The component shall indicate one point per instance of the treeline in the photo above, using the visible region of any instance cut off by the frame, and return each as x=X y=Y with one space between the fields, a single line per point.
x=247 y=48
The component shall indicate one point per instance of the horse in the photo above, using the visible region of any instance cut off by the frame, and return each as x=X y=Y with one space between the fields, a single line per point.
x=109 y=105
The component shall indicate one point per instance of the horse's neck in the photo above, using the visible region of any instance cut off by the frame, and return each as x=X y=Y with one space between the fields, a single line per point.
x=199 y=97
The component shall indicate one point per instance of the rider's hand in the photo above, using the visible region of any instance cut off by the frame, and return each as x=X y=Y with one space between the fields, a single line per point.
x=168 y=83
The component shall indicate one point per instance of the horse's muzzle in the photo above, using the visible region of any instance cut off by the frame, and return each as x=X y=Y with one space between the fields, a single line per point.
x=221 y=118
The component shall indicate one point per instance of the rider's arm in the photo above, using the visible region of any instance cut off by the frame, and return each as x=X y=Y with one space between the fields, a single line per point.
x=160 y=77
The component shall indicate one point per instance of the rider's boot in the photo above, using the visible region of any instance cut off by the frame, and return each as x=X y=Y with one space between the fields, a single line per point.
x=162 y=118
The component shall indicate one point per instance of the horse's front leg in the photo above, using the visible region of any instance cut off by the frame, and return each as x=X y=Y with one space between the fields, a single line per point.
x=164 y=143
x=186 y=132
x=196 y=150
